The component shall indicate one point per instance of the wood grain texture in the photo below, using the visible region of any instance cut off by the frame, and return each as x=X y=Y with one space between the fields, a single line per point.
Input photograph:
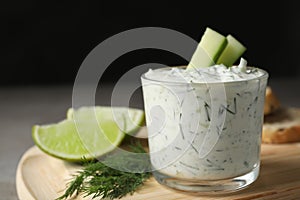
x=40 y=176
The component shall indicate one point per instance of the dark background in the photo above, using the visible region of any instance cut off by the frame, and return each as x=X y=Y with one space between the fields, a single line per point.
x=45 y=42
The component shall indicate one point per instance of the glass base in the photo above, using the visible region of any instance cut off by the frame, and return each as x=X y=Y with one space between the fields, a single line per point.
x=208 y=187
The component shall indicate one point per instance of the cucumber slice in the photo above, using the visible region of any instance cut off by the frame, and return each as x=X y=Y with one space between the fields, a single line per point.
x=208 y=50
x=233 y=50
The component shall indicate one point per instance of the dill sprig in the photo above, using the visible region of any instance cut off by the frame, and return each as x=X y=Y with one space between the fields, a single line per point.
x=111 y=178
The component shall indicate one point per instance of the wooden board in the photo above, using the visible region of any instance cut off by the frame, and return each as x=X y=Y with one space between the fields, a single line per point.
x=43 y=177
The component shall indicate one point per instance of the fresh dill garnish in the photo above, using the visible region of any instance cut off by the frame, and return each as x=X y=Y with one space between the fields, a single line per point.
x=111 y=178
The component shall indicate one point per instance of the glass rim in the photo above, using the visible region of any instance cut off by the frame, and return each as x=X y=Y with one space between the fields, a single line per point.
x=265 y=75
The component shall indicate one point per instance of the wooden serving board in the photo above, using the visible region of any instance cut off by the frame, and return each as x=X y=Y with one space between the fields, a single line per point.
x=43 y=177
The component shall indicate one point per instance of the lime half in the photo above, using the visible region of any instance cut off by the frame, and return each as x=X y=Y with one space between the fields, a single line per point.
x=84 y=136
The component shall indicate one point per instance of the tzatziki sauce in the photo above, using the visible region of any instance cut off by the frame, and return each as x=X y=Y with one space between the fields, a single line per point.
x=206 y=123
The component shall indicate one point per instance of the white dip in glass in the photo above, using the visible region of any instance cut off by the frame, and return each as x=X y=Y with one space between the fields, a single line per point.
x=204 y=126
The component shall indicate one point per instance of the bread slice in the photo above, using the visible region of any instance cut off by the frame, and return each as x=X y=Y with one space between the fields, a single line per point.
x=271 y=102
x=282 y=126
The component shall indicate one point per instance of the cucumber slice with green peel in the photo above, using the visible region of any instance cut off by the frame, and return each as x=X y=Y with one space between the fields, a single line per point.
x=208 y=50
x=233 y=51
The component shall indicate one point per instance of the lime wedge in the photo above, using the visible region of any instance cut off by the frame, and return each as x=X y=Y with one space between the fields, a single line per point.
x=84 y=136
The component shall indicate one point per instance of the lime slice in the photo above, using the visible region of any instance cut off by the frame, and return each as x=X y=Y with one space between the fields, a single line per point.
x=128 y=120
x=84 y=136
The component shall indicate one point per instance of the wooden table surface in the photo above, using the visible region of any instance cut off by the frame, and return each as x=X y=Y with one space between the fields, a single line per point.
x=22 y=107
